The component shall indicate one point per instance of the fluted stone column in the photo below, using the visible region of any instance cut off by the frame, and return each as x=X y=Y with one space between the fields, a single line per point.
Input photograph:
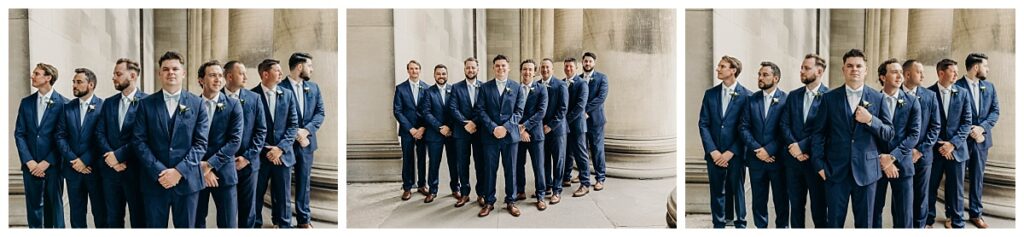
x=568 y=37
x=503 y=37
x=847 y=32
x=19 y=86
x=929 y=39
x=169 y=34
x=992 y=32
x=250 y=32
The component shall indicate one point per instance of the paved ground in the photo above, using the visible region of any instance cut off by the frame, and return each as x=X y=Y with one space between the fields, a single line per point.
x=17 y=215
x=624 y=203
x=697 y=199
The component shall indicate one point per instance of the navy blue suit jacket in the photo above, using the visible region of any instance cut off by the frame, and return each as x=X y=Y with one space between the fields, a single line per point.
x=254 y=127
x=558 y=105
x=597 y=93
x=956 y=125
x=405 y=110
x=495 y=110
x=73 y=139
x=988 y=114
x=761 y=131
x=461 y=109
x=112 y=136
x=794 y=128
x=850 y=148
x=225 y=138
x=313 y=112
x=162 y=145
x=281 y=130
x=930 y=123
x=578 y=92
x=721 y=133
x=906 y=125
x=38 y=142
x=534 y=111
x=435 y=112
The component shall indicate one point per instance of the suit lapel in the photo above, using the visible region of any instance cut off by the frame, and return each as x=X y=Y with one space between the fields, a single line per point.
x=716 y=97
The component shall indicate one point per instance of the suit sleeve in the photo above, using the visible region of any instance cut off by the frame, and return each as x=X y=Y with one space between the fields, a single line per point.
x=576 y=109
x=602 y=93
x=993 y=114
x=965 y=127
x=226 y=153
x=785 y=123
x=259 y=134
x=60 y=110
x=745 y=134
x=101 y=132
x=454 y=105
x=291 y=128
x=318 y=114
x=517 y=112
x=913 y=133
x=704 y=125
x=561 y=106
x=931 y=135
x=482 y=117
x=21 y=139
x=403 y=123
x=141 y=142
x=427 y=111
x=63 y=148
x=538 y=118
x=818 y=131
x=881 y=125
x=198 y=144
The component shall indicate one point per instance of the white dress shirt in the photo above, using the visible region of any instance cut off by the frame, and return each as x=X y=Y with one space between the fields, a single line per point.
x=83 y=108
x=976 y=93
x=890 y=101
x=501 y=86
x=300 y=93
x=809 y=100
x=727 y=96
x=271 y=95
x=122 y=109
x=947 y=94
x=41 y=105
x=210 y=106
x=768 y=96
x=853 y=97
x=171 y=101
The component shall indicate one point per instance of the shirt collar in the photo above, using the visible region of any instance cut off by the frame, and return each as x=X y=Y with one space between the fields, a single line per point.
x=269 y=90
x=896 y=92
x=769 y=94
x=234 y=93
x=295 y=82
x=972 y=81
x=588 y=74
x=86 y=100
x=131 y=94
x=216 y=97
x=47 y=95
x=730 y=88
x=942 y=88
x=176 y=95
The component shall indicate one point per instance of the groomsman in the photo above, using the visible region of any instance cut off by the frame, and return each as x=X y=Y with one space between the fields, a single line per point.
x=225 y=136
x=277 y=156
x=720 y=114
x=254 y=133
x=74 y=134
x=759 y=128
x=408 y=95
x=170 y=138
x=463 y=115
x=956 y=116
x=34 y=135
x=531 y=133
x=438 y=134
x=851 y=113
x=311 y=115
x=985 y=108
x=121 y=169
x=555 y=129
x=500 y=108
x=598 y=92
x=576 y=142
x=921 y=154
x=801 y=180
x=897 y=159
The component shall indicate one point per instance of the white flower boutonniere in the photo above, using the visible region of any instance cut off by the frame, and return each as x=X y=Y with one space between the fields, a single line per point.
x=182 y=108
x=305 y=89
x=132 y=100
x=982 y=88
x=734 y=94
x=91 y=108
x=900 y=102
x=279 y=93
x=240 y=100
x=49 y=102
x=220 y=106
x=775 y=100
x=954 y=91
x=865 y=103
x=507 y=89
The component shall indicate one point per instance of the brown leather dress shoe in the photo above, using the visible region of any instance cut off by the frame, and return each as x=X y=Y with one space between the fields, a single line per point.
x=599 y=186
x=480 y=201
x=430 y=198
x=457 y=195
x=424 y=191
x=486 y=210
x=305 y=226
x=520 y=196
x=555 y=199
x=949 y=223
x=406 y=195
x=582 y=191
x=462 y=201
x=541 y=205
x=512 y=209
x=575 y=180
x=979 y=222
x=566 y=184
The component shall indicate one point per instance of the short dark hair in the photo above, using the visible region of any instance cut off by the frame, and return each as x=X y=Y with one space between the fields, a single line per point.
x=733 y=63
x=909 y=63
x=169 y=55
x=547 y=60
x=590 y=54
x=441 y=66
x=883 y=69
x=818 y=61
x=267 y=64
x=469 y=59
x=132 y=64
x=944 y=64
x=202 y=68
x=569 y=60
x=973 y=59
x=530 y=61
x=48 y=70
x=775 y=68
x=854 y=53
x=230 y=66
x=499 y=57
x=413 y=62
x=298 y=58
x=89 y=75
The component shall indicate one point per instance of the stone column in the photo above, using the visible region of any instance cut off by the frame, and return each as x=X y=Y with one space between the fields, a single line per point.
x=568 y=37
x=992 y=32
x=19 y=86
x=699 y=77
x=169 y=34
x=929 y=39
x=636 y=49
x=847 y=32
x=503 y=37
x=250 y=31
x=315 y=32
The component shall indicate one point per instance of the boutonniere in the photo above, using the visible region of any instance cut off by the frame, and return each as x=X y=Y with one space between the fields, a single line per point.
x=982 y=88
x=240 y=100
x=49 y=102
x=279 y=93
x=448 y=91
x=305 y=89
x=182 y=108
x=132 y=100
x=815 y=94
x=220 y=106
x=865 y=104
x=900 y=102
x=734 y=94
x=775 y=100
x=507 y=89
x=953 y=91
x=91 y=108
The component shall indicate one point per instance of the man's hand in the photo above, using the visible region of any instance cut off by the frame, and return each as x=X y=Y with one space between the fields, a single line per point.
x=822 y=174
x=762 y=155
x=726 y=157
x=862 y=115
x=110 y=159
x=40 y=170
x=715 y=156
x=445 y=131
x=547 y=129
x=302 y=136
x=470 y=126
x=524 y=136
x=891 y=171
x=120 y=167
x=241 y=162
x=210 y=179
x=31 y=165
x=794 y=150
x=169 y=178
x=803 y=157
x=978 y=133
x=274 y=155
x=500 y=132
x=419 y=133
x=946 y=150
x=78 y=165
x=917 y=155
x=413 y=131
